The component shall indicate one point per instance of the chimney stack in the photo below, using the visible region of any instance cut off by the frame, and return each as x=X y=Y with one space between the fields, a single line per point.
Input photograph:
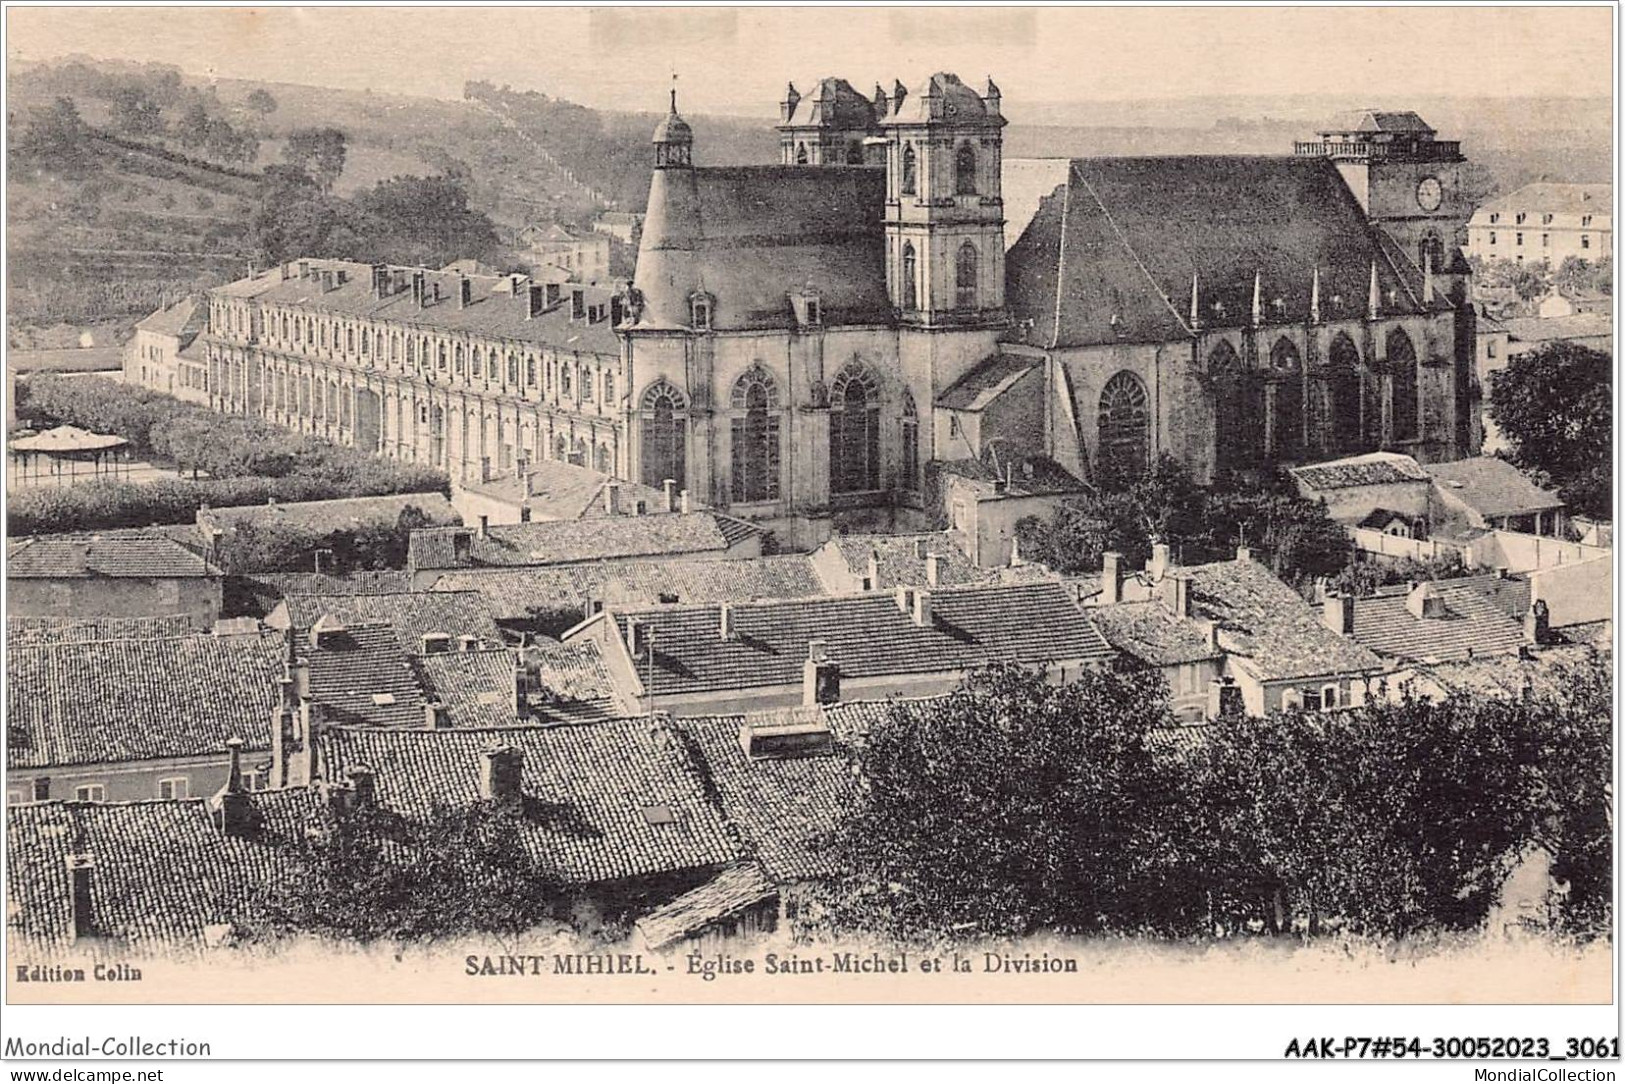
x=462 y=547
x=485 y=526
x=921 y=548
x=436 y=716
x=922 y=608
x=612 y=498
x=363 y=785
x=465 y=291
x=725 y=621
x=1338 y=612
x=466 y=642
x=230 y=806
x=1423 y=601
x=1160 y=560
x=535 y=302
x=1111 y=578
x=1244 y=553
x=1181 y=596
x=933 y=569
x=502 y=772
x=683 y=502
x=670 y=486
x=905 y=599
x=420 y=290
x=1210 y=633
x=81 y=905
x=820 y=678
x=874 y=570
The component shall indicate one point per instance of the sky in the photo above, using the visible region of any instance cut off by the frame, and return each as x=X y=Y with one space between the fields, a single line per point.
x=737 y=60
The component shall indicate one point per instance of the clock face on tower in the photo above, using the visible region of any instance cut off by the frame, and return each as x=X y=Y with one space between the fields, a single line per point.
x=1429 y=194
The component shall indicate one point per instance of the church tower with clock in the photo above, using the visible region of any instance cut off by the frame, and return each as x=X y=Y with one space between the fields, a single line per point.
x=1408 y=181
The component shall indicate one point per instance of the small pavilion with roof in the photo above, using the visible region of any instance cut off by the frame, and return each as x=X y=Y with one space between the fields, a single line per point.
x=67 y=455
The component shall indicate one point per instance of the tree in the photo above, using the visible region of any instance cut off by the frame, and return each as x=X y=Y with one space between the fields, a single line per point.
x=421 y=220
x=318 y=152
x=260 y=101
x=1009 y=807
x=1555 y=407
x=192 y=129
x=134 y=113
x=293 y=217
x=1579 y=276
x=55 y=137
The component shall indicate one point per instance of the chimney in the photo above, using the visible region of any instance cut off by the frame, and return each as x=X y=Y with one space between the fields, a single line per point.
x=462 y=547
x=502 y=772
x=435 y=290
x=1181 y=596
x=683 y=502
x=485 y=526
x=1424 y=602
x=552 y=294
x=1210 y=633
x=435 y=716
x=1224 y=698
x=1160 y=560
x=325 y=631
x=905 y=599
x=725 y=621
x=922 y=608
x=81 y=905
x=304 y=269
x=670 y=486
x=1244 y=553
x=282 y=271
x=612 y=498
x=920 y=549
x=466 y=642
x=230 y=807
x=363 y=785
x=578 y=304
x=874 y=570
x=535 y=302
x=420 y=289
x=1338 y=613
x=436 y=643
x=1537 y=623
x=465 y=291
x=820 y=678
x=1111 y=578
x=933 y=569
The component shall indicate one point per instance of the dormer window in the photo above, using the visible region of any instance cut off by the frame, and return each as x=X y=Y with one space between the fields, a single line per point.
x=699 y=306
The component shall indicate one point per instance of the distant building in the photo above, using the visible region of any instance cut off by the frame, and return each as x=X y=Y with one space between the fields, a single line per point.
x=218 y=527
x=1486 y=493
x=624 y=226
x=880 y=562
x=1440 y=620
x=1545 y=223
x=160 y=355
x=133 y=719
x=584 y=255
x=557 y=490
x=1529 y=333
x=1355 y=488
x=424 y=622
x=693 y=660
x=1575 y=304
x=117 y=576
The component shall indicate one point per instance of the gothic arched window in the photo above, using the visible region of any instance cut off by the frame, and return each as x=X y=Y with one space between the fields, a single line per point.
x=664 y=432
x=1125 y=428
x=854 y=431
x=1286 y=364
x=965 y=274
x=911 y=290
x=965 y=171
x=1402 y=367
x=1238 y=409
x=755 y=428
x=854 y=153
x=1342 y=391
x=911 y=444
x=910 y=168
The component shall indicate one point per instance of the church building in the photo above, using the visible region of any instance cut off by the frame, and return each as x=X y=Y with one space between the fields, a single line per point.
x=806 y=341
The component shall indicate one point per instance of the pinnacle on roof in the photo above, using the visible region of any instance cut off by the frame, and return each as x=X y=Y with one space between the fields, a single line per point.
x=673 y=128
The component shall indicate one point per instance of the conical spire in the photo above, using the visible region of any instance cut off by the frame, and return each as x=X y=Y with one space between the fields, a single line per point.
x=1196 y=302
x=1374 y=299
x=1314 y=297
x=1258 y=298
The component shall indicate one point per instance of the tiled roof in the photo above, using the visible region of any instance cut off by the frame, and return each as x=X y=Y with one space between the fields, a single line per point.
x=185 y=318
x=412 y=614
x=1264 y=620
x=131 y=556
x=163 y=872
x=1478 y=620
x=722 y=897
x=476 y=687
x=1371 y=469
x=750 y=236
x=987 y=381
x=833 y=103
x=604 y=802
x=1549 y=197
x=34 y=631
x=1111 y=255
x=1379 y=518
x=564 y=542
x=515 y=594
x=866 y=636
x=1504 y=676
x=492 y=312
x=786 y=809
x=1539 y=329
x=569 y=683
x=1492 y=487
x=360 y=676
x=260 y=592
x=560 y=490
x=1046 y=477
x=1151 y=632
x=899 y=561
x=1377 y=120
x=117 y=700
x=325 y=517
